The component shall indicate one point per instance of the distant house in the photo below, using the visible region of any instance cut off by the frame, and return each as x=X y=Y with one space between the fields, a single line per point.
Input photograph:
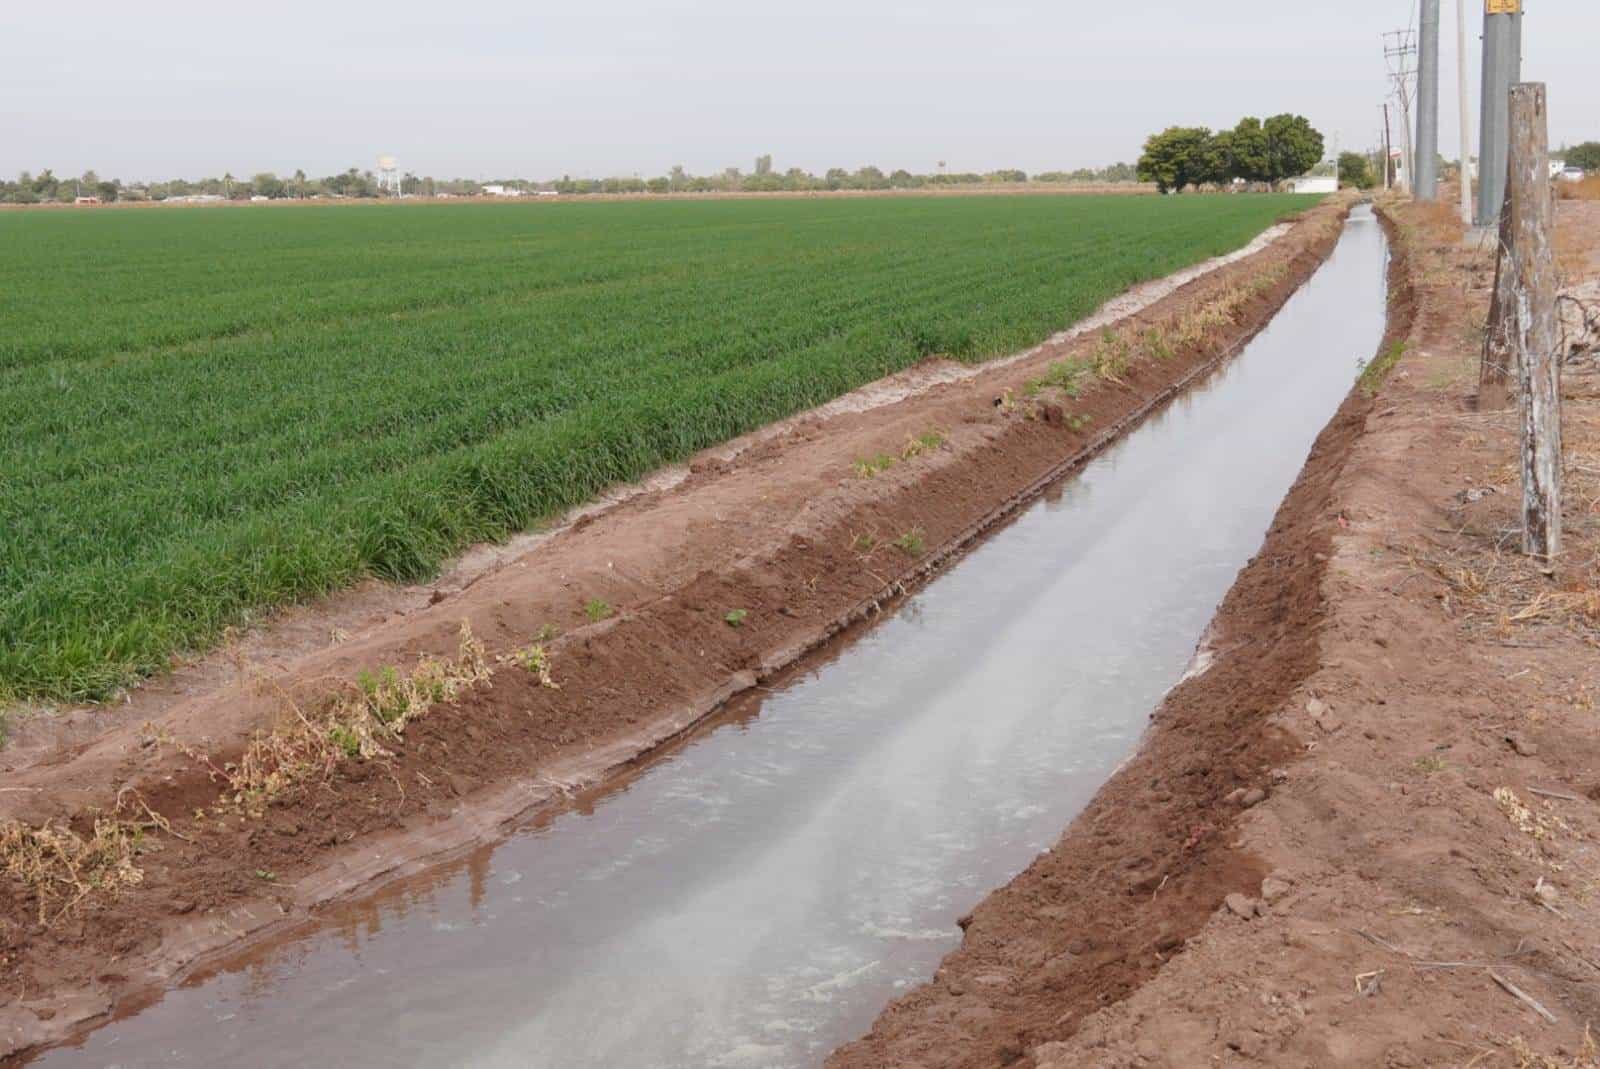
x=86 y=200
x=1314 y=183
x=501 y=191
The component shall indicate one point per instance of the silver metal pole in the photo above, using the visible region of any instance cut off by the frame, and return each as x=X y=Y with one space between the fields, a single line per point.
x=1427 y=162
x=1466 y=119
x=1502 y=68
x=1408 y=179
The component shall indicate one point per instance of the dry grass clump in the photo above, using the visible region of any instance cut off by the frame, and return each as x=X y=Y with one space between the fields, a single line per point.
x=1438 y=222
x=1115 y=351
x=361 y=724
x=1587 y=1056
x=1588 y=189
x=1501 y=591
x=63 y=868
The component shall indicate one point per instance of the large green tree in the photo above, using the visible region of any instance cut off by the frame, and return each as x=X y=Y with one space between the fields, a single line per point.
x=1356 y=170
x=1249 y=148
x=1177 y=157
x=1586 y=156
x=1293 y=146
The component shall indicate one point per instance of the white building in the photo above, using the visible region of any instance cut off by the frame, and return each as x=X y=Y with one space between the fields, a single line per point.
x=1314 y=183
x=501 y=191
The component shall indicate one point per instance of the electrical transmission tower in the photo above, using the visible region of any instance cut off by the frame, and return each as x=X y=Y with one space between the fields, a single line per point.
x=1400 y=51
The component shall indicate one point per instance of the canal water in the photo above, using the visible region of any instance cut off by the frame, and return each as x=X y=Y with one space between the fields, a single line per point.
x=755 y=897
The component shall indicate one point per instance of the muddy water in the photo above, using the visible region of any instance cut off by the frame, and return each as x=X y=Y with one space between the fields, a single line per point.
x=756 y=896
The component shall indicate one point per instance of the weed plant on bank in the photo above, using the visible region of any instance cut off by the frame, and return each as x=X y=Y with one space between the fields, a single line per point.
x=205 y=413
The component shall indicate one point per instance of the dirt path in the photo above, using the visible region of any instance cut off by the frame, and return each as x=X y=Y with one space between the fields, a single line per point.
x=1392 y=766
x=144 y=843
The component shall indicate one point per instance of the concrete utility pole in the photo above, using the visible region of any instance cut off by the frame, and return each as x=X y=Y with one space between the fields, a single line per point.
x=1532 y=212
x=1427 y=185
x=1466 y=120
x=1502 y=68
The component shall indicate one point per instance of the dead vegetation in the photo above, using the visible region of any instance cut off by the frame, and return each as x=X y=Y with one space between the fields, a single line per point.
x=61 y=867
x=363 y=723
x=1588 y=189
x=1487 y=581
x=1116 y=351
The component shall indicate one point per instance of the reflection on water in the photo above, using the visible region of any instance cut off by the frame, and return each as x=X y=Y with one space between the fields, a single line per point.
x=755 y=897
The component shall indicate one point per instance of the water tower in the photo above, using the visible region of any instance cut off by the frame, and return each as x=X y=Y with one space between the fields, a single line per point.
x=388 y=176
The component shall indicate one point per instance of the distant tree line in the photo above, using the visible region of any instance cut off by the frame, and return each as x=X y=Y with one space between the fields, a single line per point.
x=1584 y=156
x=1254 y=151
x=46 y=187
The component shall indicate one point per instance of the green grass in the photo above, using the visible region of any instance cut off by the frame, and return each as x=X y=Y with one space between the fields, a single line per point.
x=208 y=412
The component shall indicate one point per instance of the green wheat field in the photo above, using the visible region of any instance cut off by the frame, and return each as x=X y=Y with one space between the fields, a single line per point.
x=208 y=412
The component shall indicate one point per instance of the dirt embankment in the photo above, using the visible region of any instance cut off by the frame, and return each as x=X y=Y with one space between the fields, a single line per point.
x=143 y=840
x=1408 y=877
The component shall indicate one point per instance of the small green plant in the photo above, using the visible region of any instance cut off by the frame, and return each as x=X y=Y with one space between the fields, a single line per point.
x=735 y=617
x=1078 y=421
x=535 y=660
x=385 y=696
x=1373 y=374
x=1068 y=376
x=910 y=543
x=596 y=610
x=864 y=543
x=547 y=633
x=346 y=739
x=1430 y=764
x=267 y=875
x=1111 y=356
x=873 y=465
x=922 y=443
x=1157 y=344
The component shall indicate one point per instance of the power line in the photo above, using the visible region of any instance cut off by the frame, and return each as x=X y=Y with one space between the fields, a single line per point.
x=1399 y=52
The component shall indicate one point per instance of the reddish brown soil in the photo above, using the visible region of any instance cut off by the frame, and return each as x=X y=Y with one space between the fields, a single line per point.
x=776 y=532
x=1390 y=669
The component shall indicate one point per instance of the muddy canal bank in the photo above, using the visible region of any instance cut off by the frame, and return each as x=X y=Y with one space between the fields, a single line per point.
x=799 y=536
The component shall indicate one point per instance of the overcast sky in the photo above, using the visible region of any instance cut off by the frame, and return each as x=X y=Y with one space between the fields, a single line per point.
x=492 y=88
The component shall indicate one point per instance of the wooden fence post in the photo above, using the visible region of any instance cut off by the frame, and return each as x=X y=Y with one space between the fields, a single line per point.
x=1533 y=304
x=1497 y=370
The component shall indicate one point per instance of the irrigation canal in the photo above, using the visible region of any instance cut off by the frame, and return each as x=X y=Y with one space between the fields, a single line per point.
x=753 y=898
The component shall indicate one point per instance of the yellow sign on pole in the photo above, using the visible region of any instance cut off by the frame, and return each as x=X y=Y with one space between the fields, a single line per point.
x=1503 y=7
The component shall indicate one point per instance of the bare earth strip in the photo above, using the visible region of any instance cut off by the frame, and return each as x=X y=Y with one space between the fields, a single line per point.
x=782 y=526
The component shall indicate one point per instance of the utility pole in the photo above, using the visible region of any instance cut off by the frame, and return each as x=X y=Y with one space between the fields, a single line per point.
x=1400 y=46
x=1502 y=68
x=1466 y=120
x=1427 y=186
x=1388 y=151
